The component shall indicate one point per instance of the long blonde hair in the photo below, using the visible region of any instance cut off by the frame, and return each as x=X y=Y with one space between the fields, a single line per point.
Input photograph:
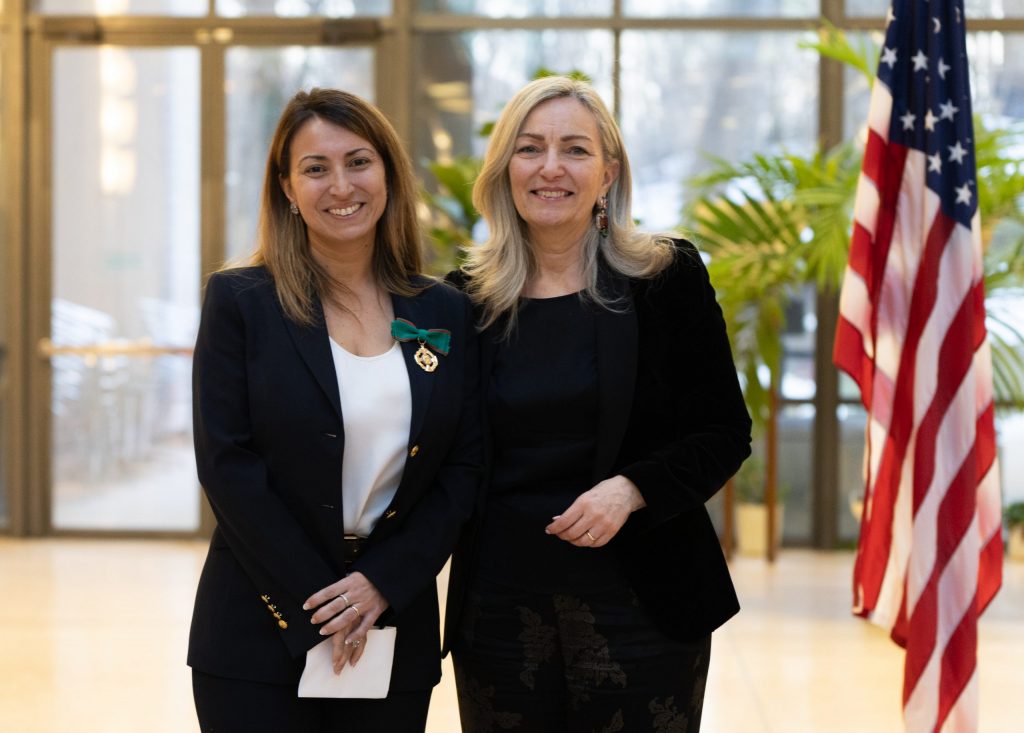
x=500 y=267
x=282 y=242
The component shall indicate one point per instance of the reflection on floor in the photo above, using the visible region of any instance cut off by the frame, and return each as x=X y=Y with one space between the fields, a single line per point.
x=93 y=636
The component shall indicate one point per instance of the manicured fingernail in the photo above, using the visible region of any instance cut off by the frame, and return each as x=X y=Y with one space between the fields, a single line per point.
x=305 y=606
x=323 y=632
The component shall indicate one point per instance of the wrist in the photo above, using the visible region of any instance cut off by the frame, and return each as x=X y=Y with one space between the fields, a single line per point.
x=635 y=498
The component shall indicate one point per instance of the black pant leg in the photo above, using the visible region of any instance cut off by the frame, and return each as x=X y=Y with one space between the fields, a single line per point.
x=399 y=712
x=239 y=706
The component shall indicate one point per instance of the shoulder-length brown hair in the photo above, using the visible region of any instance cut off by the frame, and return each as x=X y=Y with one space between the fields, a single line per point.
x=282 y=242
x=500 y=267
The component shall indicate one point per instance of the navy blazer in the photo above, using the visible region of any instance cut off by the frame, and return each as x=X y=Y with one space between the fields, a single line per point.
x=269 y=443
x=671 y=419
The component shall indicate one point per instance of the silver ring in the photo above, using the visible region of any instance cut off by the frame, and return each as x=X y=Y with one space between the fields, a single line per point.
x=353 y=642
x=345 y=598
x=592 y=537
x=355 y=608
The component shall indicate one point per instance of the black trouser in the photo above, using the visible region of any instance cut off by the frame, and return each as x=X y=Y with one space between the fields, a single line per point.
x=239 y=706
x=580 y=663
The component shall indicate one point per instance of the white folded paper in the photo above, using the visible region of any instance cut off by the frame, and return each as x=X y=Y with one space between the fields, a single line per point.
x=370 y=678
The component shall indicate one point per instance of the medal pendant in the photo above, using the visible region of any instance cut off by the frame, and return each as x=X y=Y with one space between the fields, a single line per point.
x=426 y=359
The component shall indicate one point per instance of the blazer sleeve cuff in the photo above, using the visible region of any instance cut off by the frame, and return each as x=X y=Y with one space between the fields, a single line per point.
x=654 y=485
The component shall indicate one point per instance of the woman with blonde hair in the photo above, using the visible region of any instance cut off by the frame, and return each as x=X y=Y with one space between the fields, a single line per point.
x=337 y=440
x=584 y=596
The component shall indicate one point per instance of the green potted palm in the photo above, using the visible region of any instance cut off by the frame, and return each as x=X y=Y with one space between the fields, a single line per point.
x=752 y=511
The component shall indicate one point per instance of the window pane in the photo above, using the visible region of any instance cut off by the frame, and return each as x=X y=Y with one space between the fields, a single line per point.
x=720 y=8
x=1010 y=431
x=857 y=89
x=997 y=75
x=795 y=469
x=121 y=7
x=260 y=81
x=848 y=389
x=303 y=8
x=973 y=8
x=869 y=8
x=852 y=421
x=125 y=271
x=689 y=95
x=519 y=8
x=794 y=457
x=798 y=336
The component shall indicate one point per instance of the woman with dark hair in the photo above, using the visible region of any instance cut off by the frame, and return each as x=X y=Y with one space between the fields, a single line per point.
x=336 y=436
x=585 y=595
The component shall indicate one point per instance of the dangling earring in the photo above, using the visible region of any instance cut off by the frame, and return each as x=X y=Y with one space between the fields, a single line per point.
x=601 y=217
x=293 y=208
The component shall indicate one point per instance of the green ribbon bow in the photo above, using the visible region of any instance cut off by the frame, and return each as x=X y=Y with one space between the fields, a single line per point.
x=439 y=339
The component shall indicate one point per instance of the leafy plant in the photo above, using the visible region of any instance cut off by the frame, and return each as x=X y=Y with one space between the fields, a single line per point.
x=999 y=153
x=453 y=215
x=1013 y=514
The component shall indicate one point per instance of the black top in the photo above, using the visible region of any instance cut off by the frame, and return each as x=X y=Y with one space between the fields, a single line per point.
x=543 y=408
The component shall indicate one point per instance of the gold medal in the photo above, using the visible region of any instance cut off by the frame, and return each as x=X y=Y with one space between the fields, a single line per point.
x=425 y=358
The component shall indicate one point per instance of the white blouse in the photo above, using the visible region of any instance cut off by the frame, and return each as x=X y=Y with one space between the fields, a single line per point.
x=376 y=408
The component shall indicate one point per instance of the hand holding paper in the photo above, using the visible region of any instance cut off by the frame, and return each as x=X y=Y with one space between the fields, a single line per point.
x=347 y=609
x=370 y=679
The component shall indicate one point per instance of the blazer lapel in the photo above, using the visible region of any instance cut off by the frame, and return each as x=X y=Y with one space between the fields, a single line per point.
x=421 y=382
x=616 y=371
x=314 y=345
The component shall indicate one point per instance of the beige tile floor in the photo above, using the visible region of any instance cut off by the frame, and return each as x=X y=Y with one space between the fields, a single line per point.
x=93 y=632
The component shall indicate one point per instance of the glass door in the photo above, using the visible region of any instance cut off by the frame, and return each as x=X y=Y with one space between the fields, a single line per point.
x=125 y=277
x=153 y=182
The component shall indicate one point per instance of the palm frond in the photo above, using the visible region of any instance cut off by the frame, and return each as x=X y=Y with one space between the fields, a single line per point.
x=861 y=54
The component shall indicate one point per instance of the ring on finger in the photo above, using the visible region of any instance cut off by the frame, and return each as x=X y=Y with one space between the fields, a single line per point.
x=353 y=642
x=344 y=598
x=592 y=537
x=355 y=608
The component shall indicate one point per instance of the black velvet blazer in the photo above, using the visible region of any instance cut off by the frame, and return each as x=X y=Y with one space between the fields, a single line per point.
x=269 y=443
x=673 y=421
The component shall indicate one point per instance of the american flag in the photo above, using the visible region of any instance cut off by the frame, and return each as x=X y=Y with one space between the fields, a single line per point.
x=911 y=333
